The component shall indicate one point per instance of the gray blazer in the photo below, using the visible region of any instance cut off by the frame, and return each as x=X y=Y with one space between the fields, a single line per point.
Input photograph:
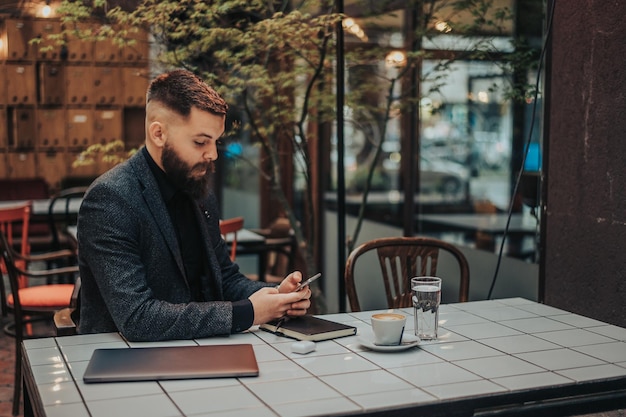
x=131 y=268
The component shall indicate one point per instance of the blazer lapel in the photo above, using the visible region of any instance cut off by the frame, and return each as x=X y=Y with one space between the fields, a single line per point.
x=214 y=272
x=154 y=201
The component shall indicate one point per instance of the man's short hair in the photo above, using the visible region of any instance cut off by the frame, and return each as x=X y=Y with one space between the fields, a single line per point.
x=180 y=90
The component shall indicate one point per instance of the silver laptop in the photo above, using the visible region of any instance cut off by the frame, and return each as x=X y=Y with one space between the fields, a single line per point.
x=171 y=362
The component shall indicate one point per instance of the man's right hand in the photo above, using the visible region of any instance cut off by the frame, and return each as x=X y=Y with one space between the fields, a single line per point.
x=269 y=304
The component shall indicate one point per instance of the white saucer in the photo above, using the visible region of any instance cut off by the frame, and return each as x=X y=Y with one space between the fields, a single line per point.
x=408 y=341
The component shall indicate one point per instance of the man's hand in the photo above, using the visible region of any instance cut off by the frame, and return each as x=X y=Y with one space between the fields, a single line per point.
x=274 y=303
x=290 y=283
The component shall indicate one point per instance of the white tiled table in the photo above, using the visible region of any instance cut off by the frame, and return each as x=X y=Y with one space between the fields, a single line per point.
x=490 y=355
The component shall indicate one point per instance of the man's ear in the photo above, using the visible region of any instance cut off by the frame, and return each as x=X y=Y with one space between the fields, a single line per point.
x=156 y=134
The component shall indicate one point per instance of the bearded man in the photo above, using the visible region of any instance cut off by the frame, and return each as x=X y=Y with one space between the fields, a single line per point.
x=153 y=263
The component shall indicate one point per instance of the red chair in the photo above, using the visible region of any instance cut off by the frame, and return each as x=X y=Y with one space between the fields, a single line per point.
x=12 y=219
x=33 y=303
x=231 y=226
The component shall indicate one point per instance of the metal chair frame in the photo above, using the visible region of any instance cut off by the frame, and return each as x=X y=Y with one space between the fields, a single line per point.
x=28 y=314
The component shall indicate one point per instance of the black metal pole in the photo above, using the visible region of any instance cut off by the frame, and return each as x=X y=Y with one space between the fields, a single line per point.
x=411 y=143
x=341 y=186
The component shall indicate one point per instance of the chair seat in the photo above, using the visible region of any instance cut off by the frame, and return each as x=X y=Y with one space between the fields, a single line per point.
x=45 y=297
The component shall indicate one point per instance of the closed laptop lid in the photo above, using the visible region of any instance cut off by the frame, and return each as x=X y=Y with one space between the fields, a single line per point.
x=171 y=362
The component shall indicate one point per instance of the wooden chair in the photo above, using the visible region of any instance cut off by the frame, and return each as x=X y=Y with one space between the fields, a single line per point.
x=29 y=189
x=279 y=251
x=66 y=319
x=231 y=227
x=33 y=303
x=484 y=240
x=59 y=220
x=402 y=258
x=12 y=218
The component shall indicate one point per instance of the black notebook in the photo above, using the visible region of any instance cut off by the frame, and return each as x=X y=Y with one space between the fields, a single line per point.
x=171 y=362
x=309 y=328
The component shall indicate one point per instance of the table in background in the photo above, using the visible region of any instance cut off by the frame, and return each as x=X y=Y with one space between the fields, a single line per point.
x=248 y=243
x=41 y=207
x=499 y=356
x=494 y=223
x=522 y=232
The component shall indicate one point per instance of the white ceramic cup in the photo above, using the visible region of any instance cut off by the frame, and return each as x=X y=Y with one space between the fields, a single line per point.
x=388 y=328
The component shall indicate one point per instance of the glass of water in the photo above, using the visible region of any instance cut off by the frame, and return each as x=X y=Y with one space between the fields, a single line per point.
x=426 y=300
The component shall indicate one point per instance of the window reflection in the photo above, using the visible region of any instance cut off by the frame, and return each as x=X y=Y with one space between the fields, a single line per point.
x=466 y=147
x=466 y=131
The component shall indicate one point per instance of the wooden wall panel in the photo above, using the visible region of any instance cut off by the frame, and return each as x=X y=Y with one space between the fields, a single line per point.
x=78 y=49
x=107 y=83
x=21 y=165
x=107 y=126
x=21 y=83
x=52 y=165
x=135 y=84
x=51 y=124
x=41 y=29
x=76 y=170
x=18 y=33
x=3 y=84
x=24 y=132
x=4 y=169
x=139 y=52
x=79 y=85
x=106 y=52
x=4 y=132
x=51 y=83
x=79 y=127
x=57 y=102
x=134 y=127
x=3 y=41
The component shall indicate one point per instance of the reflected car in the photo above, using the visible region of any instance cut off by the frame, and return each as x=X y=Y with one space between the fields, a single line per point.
x=443 y=176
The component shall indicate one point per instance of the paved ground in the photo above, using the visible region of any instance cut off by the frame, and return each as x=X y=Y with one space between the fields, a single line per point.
x=7 y=367
x=7 y=361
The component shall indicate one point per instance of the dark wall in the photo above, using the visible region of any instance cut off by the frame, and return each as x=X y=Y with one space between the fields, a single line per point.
x=584 y=265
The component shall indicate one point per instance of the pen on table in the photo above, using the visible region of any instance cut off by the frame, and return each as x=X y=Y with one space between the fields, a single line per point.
x=281 y=321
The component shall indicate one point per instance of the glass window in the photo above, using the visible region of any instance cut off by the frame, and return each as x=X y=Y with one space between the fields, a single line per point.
x=467 y=145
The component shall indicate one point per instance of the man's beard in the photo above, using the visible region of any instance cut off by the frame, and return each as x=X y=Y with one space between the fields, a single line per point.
x=179 y=173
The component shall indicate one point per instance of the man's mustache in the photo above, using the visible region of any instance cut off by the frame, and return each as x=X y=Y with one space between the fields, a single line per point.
x=209 y=167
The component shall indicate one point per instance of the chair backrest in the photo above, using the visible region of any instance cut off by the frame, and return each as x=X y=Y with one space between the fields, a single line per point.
x=281 y=249
x=12 y=219
x=40 y=298
x=402 y=258
x=66 y=320
x=25 y=189
x=16 y=281
x=483 y=240
x=59 y=214
x=231 y=226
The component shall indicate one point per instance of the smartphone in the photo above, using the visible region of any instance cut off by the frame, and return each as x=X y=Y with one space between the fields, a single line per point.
x=308 y=281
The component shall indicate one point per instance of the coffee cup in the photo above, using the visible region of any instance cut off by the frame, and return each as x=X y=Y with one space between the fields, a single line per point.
x=388 y=328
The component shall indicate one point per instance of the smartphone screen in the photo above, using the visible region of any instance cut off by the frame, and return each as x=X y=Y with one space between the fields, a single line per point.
x=307 y=282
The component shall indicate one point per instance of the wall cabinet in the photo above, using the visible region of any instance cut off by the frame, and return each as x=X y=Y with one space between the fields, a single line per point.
x=57 y=102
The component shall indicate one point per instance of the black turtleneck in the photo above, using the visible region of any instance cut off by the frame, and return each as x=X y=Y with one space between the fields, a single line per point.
x=180 y=207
